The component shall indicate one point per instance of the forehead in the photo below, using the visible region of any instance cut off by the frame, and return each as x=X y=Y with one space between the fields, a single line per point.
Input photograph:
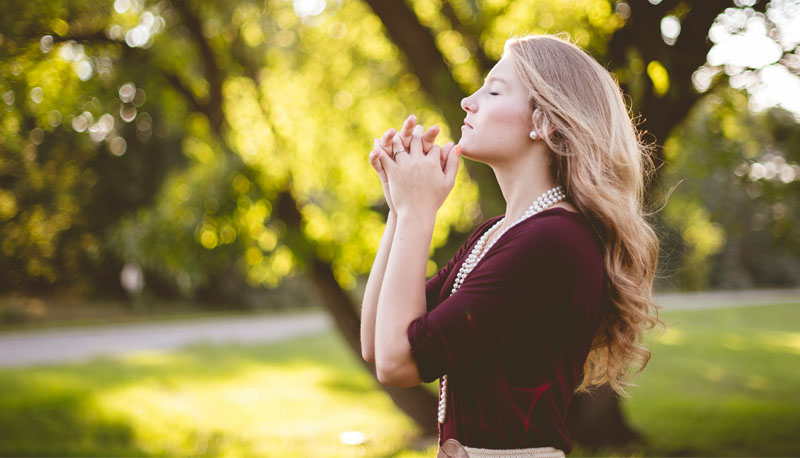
x=503 y=72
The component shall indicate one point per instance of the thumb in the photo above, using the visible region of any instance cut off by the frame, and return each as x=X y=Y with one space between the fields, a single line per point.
x=443 y=154
x=375 y=161
x=387 y=164
x=451 y=166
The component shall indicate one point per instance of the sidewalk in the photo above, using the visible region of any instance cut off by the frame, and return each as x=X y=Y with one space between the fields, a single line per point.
x=80 y=343
x=725 y=299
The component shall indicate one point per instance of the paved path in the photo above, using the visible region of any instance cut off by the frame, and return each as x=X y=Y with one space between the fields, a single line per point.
x=31 y=347
x=61 y=345
x=724 y=299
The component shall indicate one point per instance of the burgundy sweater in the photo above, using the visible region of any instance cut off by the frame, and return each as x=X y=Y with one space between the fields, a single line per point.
x=513 y=339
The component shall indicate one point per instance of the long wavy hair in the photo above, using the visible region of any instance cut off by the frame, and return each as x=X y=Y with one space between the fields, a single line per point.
x=603 y=165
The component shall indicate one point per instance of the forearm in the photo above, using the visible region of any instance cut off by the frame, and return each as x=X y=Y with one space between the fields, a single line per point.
x=402 y=299
x=369 y=305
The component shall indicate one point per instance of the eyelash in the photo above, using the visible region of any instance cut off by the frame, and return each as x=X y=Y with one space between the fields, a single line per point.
x=493 y=93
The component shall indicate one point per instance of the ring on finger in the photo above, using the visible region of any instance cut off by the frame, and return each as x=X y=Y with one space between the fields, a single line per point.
x=401 y=151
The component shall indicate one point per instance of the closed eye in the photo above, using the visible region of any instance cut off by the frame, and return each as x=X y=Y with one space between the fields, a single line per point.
x=493 y=93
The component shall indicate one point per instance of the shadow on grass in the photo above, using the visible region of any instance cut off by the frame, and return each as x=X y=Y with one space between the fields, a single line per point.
x=42 y=423
x=74 y=409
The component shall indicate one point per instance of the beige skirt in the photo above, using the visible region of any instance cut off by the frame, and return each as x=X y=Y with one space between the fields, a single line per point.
x=453 y=449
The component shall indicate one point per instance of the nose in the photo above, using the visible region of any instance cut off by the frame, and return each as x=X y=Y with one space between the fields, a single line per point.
x=467 y=104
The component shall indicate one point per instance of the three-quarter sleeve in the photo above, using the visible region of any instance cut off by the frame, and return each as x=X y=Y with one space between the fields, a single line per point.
x=434 y=285
x=531 y=269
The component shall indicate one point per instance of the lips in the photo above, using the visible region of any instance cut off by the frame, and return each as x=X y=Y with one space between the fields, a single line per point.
x=468 y=124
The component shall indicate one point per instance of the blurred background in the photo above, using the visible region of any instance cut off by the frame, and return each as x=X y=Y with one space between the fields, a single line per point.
x=188 y=217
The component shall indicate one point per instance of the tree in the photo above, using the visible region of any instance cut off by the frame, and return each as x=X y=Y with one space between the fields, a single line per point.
x=273 y=129
x=243 y=128
x=740 y=174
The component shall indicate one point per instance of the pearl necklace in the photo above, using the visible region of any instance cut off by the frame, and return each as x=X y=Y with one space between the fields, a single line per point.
x=544 y=201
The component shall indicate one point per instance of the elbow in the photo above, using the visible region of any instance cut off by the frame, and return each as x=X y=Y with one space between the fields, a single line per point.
x=386 y=378
x=368 y=354
x=394 y=377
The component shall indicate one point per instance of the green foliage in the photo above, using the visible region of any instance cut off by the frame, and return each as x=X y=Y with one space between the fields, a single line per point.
x=301 y=101
x=172 y=135
x=589 y=23
x=64 y=172
x=738 y=179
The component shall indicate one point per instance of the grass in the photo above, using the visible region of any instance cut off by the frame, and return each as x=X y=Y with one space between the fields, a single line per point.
x=720 y=383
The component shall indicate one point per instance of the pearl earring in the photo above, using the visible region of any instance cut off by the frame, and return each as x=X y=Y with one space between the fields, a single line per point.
x=534 y=135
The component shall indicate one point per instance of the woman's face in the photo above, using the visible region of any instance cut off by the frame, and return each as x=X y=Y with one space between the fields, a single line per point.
x=498 y=121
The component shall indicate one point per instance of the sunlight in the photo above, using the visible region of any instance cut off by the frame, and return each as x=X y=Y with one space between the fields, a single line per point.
x=781 y=341
x=671 y=336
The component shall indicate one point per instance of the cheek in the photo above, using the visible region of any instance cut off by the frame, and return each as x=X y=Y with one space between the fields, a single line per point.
x=510 y=119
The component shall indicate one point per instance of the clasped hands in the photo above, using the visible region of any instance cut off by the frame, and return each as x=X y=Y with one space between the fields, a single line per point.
x=416 y=175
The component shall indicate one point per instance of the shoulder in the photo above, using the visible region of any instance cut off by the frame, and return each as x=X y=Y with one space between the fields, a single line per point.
x=557 y=225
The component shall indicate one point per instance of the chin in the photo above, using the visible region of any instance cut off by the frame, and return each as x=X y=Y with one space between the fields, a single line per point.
x=471 y=154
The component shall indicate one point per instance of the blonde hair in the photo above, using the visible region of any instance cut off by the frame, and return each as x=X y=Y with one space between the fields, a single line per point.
x=599 y=159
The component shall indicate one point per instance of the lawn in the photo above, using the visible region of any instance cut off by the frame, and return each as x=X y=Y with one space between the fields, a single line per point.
x=720 y=383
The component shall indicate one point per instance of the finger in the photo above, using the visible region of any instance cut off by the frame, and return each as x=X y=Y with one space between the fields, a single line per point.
x=443 y=153
x=451 y=166
x=387 y=164
x=397 y=147
x=428 y=137
x=434 y=155
x=416 y=141
x=373 y=154
x=374 y=160
x=386 y=140
x=407 y=129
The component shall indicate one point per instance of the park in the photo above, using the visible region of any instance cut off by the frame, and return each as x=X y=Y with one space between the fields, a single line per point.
x=188 y=218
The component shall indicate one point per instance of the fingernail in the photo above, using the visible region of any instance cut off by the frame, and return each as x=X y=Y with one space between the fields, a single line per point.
x=418 y=129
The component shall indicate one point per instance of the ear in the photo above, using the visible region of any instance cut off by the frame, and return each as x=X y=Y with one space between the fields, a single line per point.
x=541 y=124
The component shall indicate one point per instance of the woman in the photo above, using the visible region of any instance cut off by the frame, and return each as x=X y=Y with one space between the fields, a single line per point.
x=548 y=300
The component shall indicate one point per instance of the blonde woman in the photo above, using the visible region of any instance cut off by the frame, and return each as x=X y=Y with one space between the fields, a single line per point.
x=547 y=300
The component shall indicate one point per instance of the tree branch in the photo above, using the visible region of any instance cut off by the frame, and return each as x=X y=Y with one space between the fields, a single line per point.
x=424 y=58
x=210 y=68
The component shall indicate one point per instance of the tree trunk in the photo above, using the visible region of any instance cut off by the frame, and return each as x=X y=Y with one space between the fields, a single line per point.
x=416 y=402
x=595 y=420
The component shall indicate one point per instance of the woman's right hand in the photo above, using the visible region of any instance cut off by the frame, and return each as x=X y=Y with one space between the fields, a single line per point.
x=384 y=146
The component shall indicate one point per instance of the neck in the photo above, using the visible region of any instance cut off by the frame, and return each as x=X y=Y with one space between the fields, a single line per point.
x=522 y=182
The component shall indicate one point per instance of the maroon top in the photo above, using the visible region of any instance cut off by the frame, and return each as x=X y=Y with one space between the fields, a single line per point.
x=514 y=337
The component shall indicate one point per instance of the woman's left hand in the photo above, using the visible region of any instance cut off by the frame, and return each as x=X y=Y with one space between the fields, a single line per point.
x=417 y=181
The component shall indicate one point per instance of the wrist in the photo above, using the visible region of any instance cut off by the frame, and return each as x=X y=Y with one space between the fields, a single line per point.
x=416 y=217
